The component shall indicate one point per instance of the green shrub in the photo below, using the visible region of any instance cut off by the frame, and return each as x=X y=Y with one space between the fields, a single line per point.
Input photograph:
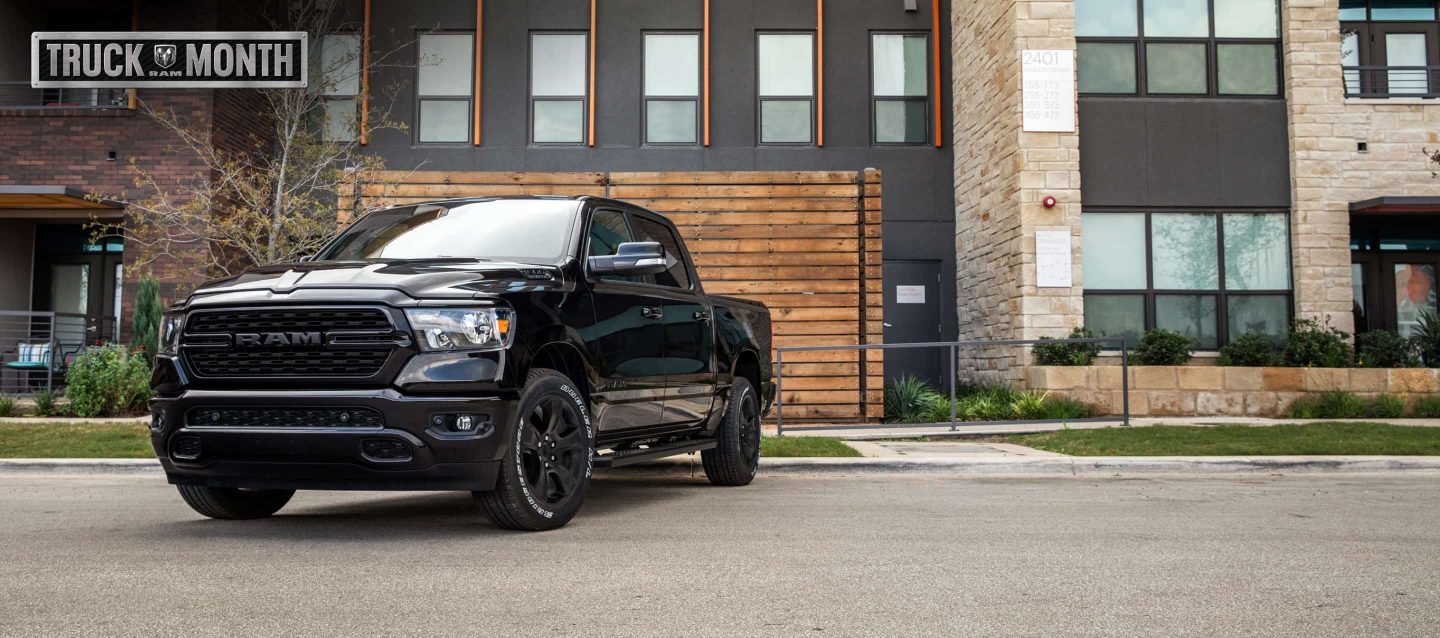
x=1385 y=406
x=1427 y=339
x=45 y=402
x=1385 y=349
x=108 y=381
x=1312 y=345
x=1341 y=405
x=1305 y=407
x=1029 y=405
x=147 y=317
x=1426 y=407
x=1250 y=349
x=907 y=398
x=1067 y=354
x=1058 y=408
x=1161 y=347
x=8 y=406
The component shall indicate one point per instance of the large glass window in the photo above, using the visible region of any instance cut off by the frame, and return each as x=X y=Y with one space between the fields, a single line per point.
x=558 y=87
x=786 y=77
x=900 y=88
x=444 y=86
x=1210 y=276
x=338 y=73
x=1178 y=47
x=1390 y=48
x=672 y=88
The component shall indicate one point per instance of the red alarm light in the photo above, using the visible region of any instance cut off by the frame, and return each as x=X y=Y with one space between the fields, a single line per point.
x=1049 y=201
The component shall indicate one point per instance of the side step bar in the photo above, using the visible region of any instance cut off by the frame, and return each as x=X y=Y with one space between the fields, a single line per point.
x=641 y=455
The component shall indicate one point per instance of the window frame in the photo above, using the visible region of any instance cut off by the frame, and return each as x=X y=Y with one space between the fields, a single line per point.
x=811 y=99
x=532 y=99
x=646 y=98
x=1211 y=42
x=1220 y=293
x=327 y=97
x=1373 y=56
x=469 y=99
x=876 y=99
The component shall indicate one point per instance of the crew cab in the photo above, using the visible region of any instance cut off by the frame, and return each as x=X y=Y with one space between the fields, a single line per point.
x=502 y=346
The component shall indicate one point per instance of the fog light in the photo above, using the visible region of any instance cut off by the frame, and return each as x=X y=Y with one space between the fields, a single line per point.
x=464 y=423
x=157 y=421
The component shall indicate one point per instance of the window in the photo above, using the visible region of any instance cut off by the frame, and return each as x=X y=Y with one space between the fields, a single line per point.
x=786 y=77
x=672 y=88
x=675 y=275
x=900 y=90
x=1178 y=47
x=1389 y=48
x=444 y=87
x=339 y=74
x=1210 y=276
x=558 y=87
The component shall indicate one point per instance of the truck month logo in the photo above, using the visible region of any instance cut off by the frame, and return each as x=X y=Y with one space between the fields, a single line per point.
x=190 y=59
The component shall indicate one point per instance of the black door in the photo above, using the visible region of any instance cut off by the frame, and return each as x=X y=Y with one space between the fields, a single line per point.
x=689 y=329
x=79 y=278
x=912 y=315
x=627 y=338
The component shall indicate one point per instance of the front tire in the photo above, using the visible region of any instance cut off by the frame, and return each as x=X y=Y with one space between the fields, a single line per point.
x=232 y=503
x=546 y=471
x=736 y=457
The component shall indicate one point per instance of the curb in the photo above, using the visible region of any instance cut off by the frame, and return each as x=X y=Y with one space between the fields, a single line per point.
x=1059 y=466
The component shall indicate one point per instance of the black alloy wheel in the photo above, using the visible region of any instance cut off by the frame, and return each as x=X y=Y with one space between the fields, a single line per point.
x=552 y=454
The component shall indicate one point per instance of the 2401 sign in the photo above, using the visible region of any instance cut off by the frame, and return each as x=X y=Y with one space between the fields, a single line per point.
x=176 y=59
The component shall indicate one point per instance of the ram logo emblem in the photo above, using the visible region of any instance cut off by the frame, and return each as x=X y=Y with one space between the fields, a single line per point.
x=278 y=339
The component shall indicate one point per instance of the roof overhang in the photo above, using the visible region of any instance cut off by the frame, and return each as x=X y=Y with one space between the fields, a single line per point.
x=1396 y=205
x=27 y=197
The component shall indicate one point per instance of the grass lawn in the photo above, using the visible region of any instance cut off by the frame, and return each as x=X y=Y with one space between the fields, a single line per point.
x=132 y=441
x=774 y=446
x=64 y=441
x=1240 y=440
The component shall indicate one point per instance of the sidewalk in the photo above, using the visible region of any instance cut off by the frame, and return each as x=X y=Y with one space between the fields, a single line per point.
x=882 y=433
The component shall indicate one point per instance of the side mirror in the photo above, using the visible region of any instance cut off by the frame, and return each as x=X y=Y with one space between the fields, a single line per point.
x=631 y=258
x=307 y=258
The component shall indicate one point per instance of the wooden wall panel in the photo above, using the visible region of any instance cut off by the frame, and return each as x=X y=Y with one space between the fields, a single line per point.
x=807 y=244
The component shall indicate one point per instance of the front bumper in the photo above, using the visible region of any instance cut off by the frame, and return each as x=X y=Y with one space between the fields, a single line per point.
x=407 y=449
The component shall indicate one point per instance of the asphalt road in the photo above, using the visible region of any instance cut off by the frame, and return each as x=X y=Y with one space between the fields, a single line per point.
x=900 y=556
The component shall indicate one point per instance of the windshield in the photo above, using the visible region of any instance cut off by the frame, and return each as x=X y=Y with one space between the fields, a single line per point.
x=530 y=231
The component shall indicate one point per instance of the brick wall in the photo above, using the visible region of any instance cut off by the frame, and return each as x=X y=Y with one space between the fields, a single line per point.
x=1001 y=176
x=1328 y=172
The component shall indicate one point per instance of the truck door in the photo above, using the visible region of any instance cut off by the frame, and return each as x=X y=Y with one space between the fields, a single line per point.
x=628 y=337
x=689 y=328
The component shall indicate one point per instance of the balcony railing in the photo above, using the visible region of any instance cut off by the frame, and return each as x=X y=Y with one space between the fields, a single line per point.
x=20 y=95
x=36 y=348
x=1392 y=81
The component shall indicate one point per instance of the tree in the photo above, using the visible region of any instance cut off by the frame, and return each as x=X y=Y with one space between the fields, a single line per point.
x=148 y=312
x=275 y=197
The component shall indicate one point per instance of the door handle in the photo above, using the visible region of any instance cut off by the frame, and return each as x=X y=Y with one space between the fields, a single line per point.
x=702 y=316
x=651 y=313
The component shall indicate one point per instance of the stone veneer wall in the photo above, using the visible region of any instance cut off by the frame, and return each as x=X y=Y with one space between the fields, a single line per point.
x=1327 y=171
x=1001 y=176
x=1223 y=391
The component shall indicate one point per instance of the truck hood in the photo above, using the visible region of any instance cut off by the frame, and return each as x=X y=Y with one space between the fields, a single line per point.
x=421 y=279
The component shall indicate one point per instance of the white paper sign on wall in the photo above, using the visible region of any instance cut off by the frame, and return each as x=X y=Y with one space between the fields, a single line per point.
x=1052 y=258
x=1047 y=77
x=909 y=294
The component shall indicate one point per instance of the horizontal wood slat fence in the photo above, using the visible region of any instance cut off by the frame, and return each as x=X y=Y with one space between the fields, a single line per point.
x=807 y=244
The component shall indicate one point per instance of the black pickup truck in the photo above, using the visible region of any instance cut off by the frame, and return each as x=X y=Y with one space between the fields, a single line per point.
x=502 y=346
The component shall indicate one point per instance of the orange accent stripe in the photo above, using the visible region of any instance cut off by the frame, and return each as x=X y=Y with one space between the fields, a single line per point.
x=479 y=64
x=935 y=42
x=706 y=97
x=820 y=72
x=365 y=78
x=590 y=102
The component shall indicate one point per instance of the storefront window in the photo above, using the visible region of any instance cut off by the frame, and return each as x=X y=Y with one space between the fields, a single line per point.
x=1414 y=296
x=1210 y=276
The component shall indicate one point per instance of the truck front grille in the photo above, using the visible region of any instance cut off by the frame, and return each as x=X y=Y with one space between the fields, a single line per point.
x=288 y=342
x=284 y=418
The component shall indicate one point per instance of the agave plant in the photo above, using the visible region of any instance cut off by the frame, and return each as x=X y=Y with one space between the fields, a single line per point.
x=907 y=399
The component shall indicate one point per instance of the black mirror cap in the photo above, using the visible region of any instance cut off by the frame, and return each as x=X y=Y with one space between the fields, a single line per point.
x=630 y=258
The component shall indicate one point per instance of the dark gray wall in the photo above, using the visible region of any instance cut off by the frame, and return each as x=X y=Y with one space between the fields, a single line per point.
x=919 y=199
x=1183 y=152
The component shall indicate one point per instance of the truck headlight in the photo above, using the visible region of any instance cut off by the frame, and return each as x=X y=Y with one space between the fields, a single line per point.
x=169 y=341
x=451 y=329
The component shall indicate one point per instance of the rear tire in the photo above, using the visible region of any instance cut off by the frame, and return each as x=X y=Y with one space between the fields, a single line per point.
x=232 y=503
x=736 y=457
x=546 y=471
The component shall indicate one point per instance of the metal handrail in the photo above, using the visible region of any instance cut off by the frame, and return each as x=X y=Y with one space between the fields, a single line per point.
x=1381 y=81
x=20 y=95
x=954 y=347
x=58 y=329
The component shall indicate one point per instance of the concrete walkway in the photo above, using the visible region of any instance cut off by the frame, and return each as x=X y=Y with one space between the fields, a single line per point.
x=882 y=433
